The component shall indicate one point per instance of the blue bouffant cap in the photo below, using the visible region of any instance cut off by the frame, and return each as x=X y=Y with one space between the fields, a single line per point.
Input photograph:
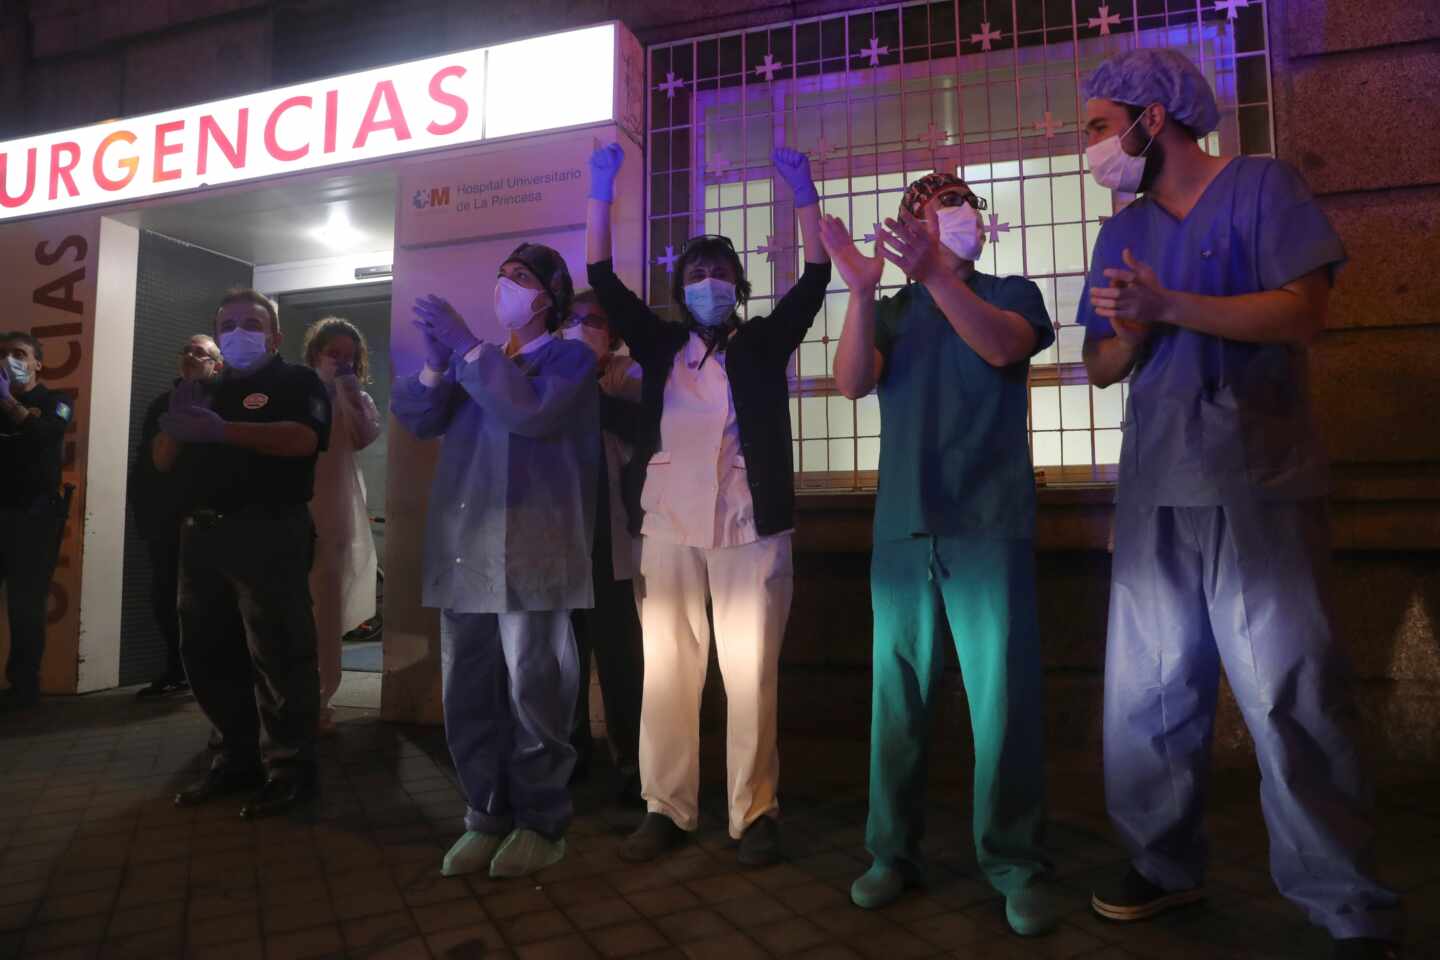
x=1142 y=77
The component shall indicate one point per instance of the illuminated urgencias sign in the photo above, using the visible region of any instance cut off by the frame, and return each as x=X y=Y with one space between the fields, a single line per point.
x=544 y=83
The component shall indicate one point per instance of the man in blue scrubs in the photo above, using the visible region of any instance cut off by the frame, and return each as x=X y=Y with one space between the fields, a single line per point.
x=1205 y=292
x=954 y=537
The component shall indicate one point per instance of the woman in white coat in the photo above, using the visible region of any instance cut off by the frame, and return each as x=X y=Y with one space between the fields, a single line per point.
x=342 y=579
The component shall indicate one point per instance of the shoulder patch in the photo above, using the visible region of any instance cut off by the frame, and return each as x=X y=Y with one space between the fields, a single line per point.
x=255 y=401
x=63 y=411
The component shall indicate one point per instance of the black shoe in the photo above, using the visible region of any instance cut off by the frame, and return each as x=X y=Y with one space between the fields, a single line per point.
x=760 y=843
x=1365 y=948
x=1133 y=897
x=277 y=795
x=656 y=834
x=219 y=782
x=163 y=687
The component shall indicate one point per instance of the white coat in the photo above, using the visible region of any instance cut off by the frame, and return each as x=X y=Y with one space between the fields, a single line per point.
x=342 y=578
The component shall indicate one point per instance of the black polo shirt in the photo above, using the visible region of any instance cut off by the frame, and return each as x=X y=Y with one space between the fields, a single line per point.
x=30 y=452
x=226 y=478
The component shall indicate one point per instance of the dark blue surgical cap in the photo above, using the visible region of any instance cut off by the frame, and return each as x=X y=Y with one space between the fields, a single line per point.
x=1142 y=77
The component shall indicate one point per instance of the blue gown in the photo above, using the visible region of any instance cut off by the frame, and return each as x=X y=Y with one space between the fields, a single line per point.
x=507 y=557
x=1220 y=552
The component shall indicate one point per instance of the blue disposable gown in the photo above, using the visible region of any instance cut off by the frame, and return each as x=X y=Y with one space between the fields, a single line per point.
x=512 y=506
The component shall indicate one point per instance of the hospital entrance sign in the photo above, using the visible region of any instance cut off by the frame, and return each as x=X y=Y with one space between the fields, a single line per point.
x=487 y=94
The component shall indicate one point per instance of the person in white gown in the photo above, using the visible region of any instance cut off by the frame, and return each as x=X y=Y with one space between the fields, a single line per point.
x=342 y=580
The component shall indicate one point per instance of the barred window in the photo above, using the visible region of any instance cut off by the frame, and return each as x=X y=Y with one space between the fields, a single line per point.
x=988 y=89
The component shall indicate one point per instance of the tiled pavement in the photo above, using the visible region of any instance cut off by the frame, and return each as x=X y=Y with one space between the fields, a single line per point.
x=96 y=861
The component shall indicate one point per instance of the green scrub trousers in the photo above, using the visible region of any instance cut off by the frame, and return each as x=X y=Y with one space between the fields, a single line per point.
x=986 y=590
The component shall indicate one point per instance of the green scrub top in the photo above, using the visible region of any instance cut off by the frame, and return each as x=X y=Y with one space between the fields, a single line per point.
x=954 y=454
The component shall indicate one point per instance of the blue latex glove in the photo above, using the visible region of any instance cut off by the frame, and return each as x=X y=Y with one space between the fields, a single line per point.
x=195 y=425
x=605 y=165
x=5 y=394
x=794 y=168
x=437 y=355
x=440 y=322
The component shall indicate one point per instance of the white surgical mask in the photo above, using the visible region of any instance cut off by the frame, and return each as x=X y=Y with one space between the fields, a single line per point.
x=1112 y=167
x=512 y=303
x=19 y=370
x=242 y=349
x=710 y=301
x=960 y=231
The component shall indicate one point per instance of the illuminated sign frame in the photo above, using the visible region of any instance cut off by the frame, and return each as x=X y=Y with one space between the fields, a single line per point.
x=523 y=87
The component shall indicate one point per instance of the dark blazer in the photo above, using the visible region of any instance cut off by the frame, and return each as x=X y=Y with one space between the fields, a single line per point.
x=756 y=358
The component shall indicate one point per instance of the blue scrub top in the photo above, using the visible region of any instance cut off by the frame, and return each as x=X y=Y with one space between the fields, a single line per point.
x=954 y=454
x=1212 y=421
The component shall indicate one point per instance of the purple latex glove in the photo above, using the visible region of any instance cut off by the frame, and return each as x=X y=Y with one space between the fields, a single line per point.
x=437 y=355
x=195 y=425
x=794 y=168
x=441 y=322
x=605 y=165
x=5 y=393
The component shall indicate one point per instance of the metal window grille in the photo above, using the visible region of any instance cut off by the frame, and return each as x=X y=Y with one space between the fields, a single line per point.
x=989 y=89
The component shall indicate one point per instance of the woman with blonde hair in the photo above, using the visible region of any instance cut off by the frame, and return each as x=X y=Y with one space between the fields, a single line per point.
x=342 y=579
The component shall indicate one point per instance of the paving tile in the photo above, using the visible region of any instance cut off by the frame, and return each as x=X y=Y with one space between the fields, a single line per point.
x=169 y=914
x=295 y=915
x=539 y=925
x=304 y=944
x=664 y=900
x=449 y=915
x=562 y=948
x=511 y=904
x=76 y=905
x=690 y=925
x=627 y=939
x=65 y=933
x=371 y=934
x=594 y=914
x=150 y=945
x=736 y=946
x=790 y=936
x=461 y=943
x=223 y=929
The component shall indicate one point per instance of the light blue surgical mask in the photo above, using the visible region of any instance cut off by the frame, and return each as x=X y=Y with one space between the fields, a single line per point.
x=242 y=349
x=19 y=370
x=710 y=301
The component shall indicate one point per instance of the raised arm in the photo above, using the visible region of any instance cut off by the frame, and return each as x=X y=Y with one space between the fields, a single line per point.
x=858 y=364
x=425 y=403
x=362 y=417
x=636 y=323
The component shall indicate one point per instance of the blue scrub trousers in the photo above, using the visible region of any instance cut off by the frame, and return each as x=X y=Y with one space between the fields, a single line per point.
x=509 y=682
x=1238 y=586
x=986 y=589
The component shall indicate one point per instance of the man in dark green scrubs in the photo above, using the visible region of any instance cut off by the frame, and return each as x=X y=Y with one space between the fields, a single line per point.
x=954 y=536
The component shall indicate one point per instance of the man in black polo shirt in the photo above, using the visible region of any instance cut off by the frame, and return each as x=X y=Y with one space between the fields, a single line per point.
x=245 y=449
x=33 y=421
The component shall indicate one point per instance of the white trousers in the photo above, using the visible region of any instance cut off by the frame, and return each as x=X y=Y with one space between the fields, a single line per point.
x=749 y=588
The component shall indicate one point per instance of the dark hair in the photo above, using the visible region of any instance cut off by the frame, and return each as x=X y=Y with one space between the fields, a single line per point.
x=708 y=247
x=20 y=336
x=251 y=296
x=322 y=331
x=1134 y=114
x=589 y=298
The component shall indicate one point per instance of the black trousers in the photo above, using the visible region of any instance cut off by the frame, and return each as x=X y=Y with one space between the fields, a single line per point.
x=611 y=631
x=247 y=633
x=29 y=549
x=164 y=591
